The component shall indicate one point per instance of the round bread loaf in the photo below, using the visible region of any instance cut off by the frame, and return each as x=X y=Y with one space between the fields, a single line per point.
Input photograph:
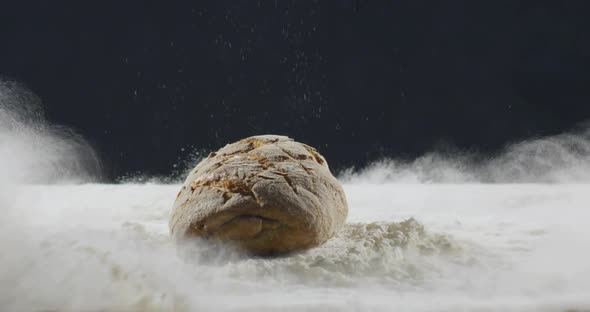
x=266 y=194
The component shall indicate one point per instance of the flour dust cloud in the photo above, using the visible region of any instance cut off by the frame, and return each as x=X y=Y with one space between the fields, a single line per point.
x=440 y=233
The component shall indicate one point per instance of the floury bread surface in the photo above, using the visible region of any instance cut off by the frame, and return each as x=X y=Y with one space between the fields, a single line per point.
x=267 y=194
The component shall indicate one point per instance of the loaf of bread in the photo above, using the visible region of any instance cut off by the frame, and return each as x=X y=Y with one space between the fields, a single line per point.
x=268 y=195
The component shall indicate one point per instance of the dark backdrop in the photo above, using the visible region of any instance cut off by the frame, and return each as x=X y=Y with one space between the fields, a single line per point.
x=146 y=82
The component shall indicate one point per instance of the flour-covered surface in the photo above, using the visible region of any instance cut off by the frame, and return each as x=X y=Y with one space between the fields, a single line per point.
x=406 y=247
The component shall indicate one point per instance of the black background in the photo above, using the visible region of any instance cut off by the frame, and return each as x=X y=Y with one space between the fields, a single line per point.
x=147 y=82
